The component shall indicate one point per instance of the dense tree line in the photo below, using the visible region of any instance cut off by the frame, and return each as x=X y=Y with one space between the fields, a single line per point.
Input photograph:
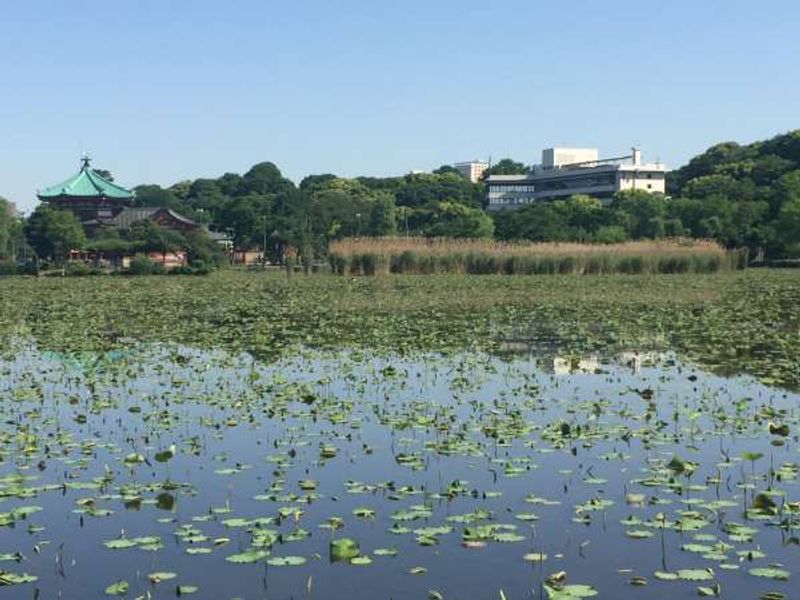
x=741 y=195
x=263 y=208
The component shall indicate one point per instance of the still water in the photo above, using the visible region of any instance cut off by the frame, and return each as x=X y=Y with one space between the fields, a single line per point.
x=179 y=470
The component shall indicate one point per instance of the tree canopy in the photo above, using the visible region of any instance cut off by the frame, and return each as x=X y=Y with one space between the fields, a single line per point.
x=742 y=195
x=53 y=233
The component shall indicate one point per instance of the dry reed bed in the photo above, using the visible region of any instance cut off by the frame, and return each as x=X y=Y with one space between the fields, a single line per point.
x=374 y=256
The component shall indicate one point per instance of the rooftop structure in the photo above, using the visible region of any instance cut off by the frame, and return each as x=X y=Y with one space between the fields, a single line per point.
x=472 y=170
x=98 y=202
x=556 y=157
x=87 y=194
x=85 y=184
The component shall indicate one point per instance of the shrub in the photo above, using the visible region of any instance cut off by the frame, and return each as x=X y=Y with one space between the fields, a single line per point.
x=611 y=234
x=8 y=268
x=140 y=265
x=79 y=269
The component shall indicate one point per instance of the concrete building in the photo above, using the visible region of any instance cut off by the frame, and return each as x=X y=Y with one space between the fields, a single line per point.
x=509 y=191
x=472 y=170
x=560 y=177
x=567 y=171
x=557 y=157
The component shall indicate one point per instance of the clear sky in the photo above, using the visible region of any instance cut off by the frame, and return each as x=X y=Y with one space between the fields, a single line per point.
x=163 y=90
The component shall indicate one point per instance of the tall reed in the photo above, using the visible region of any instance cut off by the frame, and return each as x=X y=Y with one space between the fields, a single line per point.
x=376 y=256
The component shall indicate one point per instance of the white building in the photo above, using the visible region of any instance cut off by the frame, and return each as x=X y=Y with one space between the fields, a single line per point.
x=560 y=177
x=472 y=170
x=567 y=171
x=557 y=157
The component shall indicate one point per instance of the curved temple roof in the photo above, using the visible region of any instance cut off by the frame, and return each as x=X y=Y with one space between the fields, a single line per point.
x=86 y=184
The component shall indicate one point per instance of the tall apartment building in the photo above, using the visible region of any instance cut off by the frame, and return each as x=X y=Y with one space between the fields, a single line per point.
x=567 y=171
x=472 y=170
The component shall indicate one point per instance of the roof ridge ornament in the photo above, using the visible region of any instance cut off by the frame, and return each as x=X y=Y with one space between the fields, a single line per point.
x=86 y=161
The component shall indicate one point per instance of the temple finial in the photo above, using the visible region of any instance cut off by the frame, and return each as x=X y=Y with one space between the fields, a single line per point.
x=86 y=161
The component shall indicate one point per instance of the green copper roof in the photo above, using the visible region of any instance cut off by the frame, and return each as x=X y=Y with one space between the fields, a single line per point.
x=86 y=184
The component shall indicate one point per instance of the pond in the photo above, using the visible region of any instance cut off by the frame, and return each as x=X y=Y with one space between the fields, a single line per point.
x=162 y=470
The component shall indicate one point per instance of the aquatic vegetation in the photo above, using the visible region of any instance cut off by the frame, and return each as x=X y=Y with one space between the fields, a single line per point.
x=144 y=462
x=728 y=323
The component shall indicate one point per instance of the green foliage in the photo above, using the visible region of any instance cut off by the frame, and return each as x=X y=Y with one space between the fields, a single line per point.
x=612 y=234
x=53 y=233
x=451 y=219
x=506 y=166
x=736 y=194
x=739 y=195
x=788 y=227
x=6 y=220
x=427 y=189
x=78 y=269
x=13 y=245
x=445 y=169
x=141 y=265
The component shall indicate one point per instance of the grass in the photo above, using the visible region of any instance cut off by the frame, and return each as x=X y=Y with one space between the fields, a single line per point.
x=732 y=321
x=376 y=256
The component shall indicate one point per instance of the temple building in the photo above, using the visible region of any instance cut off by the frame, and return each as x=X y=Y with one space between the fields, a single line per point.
x=98 y=202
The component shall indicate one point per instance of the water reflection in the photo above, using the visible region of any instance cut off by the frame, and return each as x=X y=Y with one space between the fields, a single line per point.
x=163 y=458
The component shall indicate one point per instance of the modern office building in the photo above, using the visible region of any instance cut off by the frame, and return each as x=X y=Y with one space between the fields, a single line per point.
x=567 y=171
x=472 y=170
x=509 y=191
x=559 y=176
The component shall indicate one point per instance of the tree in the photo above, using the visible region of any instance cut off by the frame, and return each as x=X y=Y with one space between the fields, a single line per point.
x=264 y=178
x=315 y=182
x=249 y=218
x=229 y=183
x=149 y=236
x=641 y=213
x=788 y=227
x=421 y=189
x=446 y=169
x=383 y=216
x=155 y=195
x=584 y=215
x=539 y=222
x=54 y=233
x=202 y=250
x=506 y=166
x=104 y=173
x=455 y=220
x=346 y=207
x=6 y=221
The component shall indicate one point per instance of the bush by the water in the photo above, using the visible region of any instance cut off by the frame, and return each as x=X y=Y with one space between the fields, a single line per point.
x=375 y=256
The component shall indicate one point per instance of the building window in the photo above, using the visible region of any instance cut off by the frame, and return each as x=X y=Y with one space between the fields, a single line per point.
x=649 y=186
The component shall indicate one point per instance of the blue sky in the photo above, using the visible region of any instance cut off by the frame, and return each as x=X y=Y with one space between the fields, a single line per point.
x=160 y=90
